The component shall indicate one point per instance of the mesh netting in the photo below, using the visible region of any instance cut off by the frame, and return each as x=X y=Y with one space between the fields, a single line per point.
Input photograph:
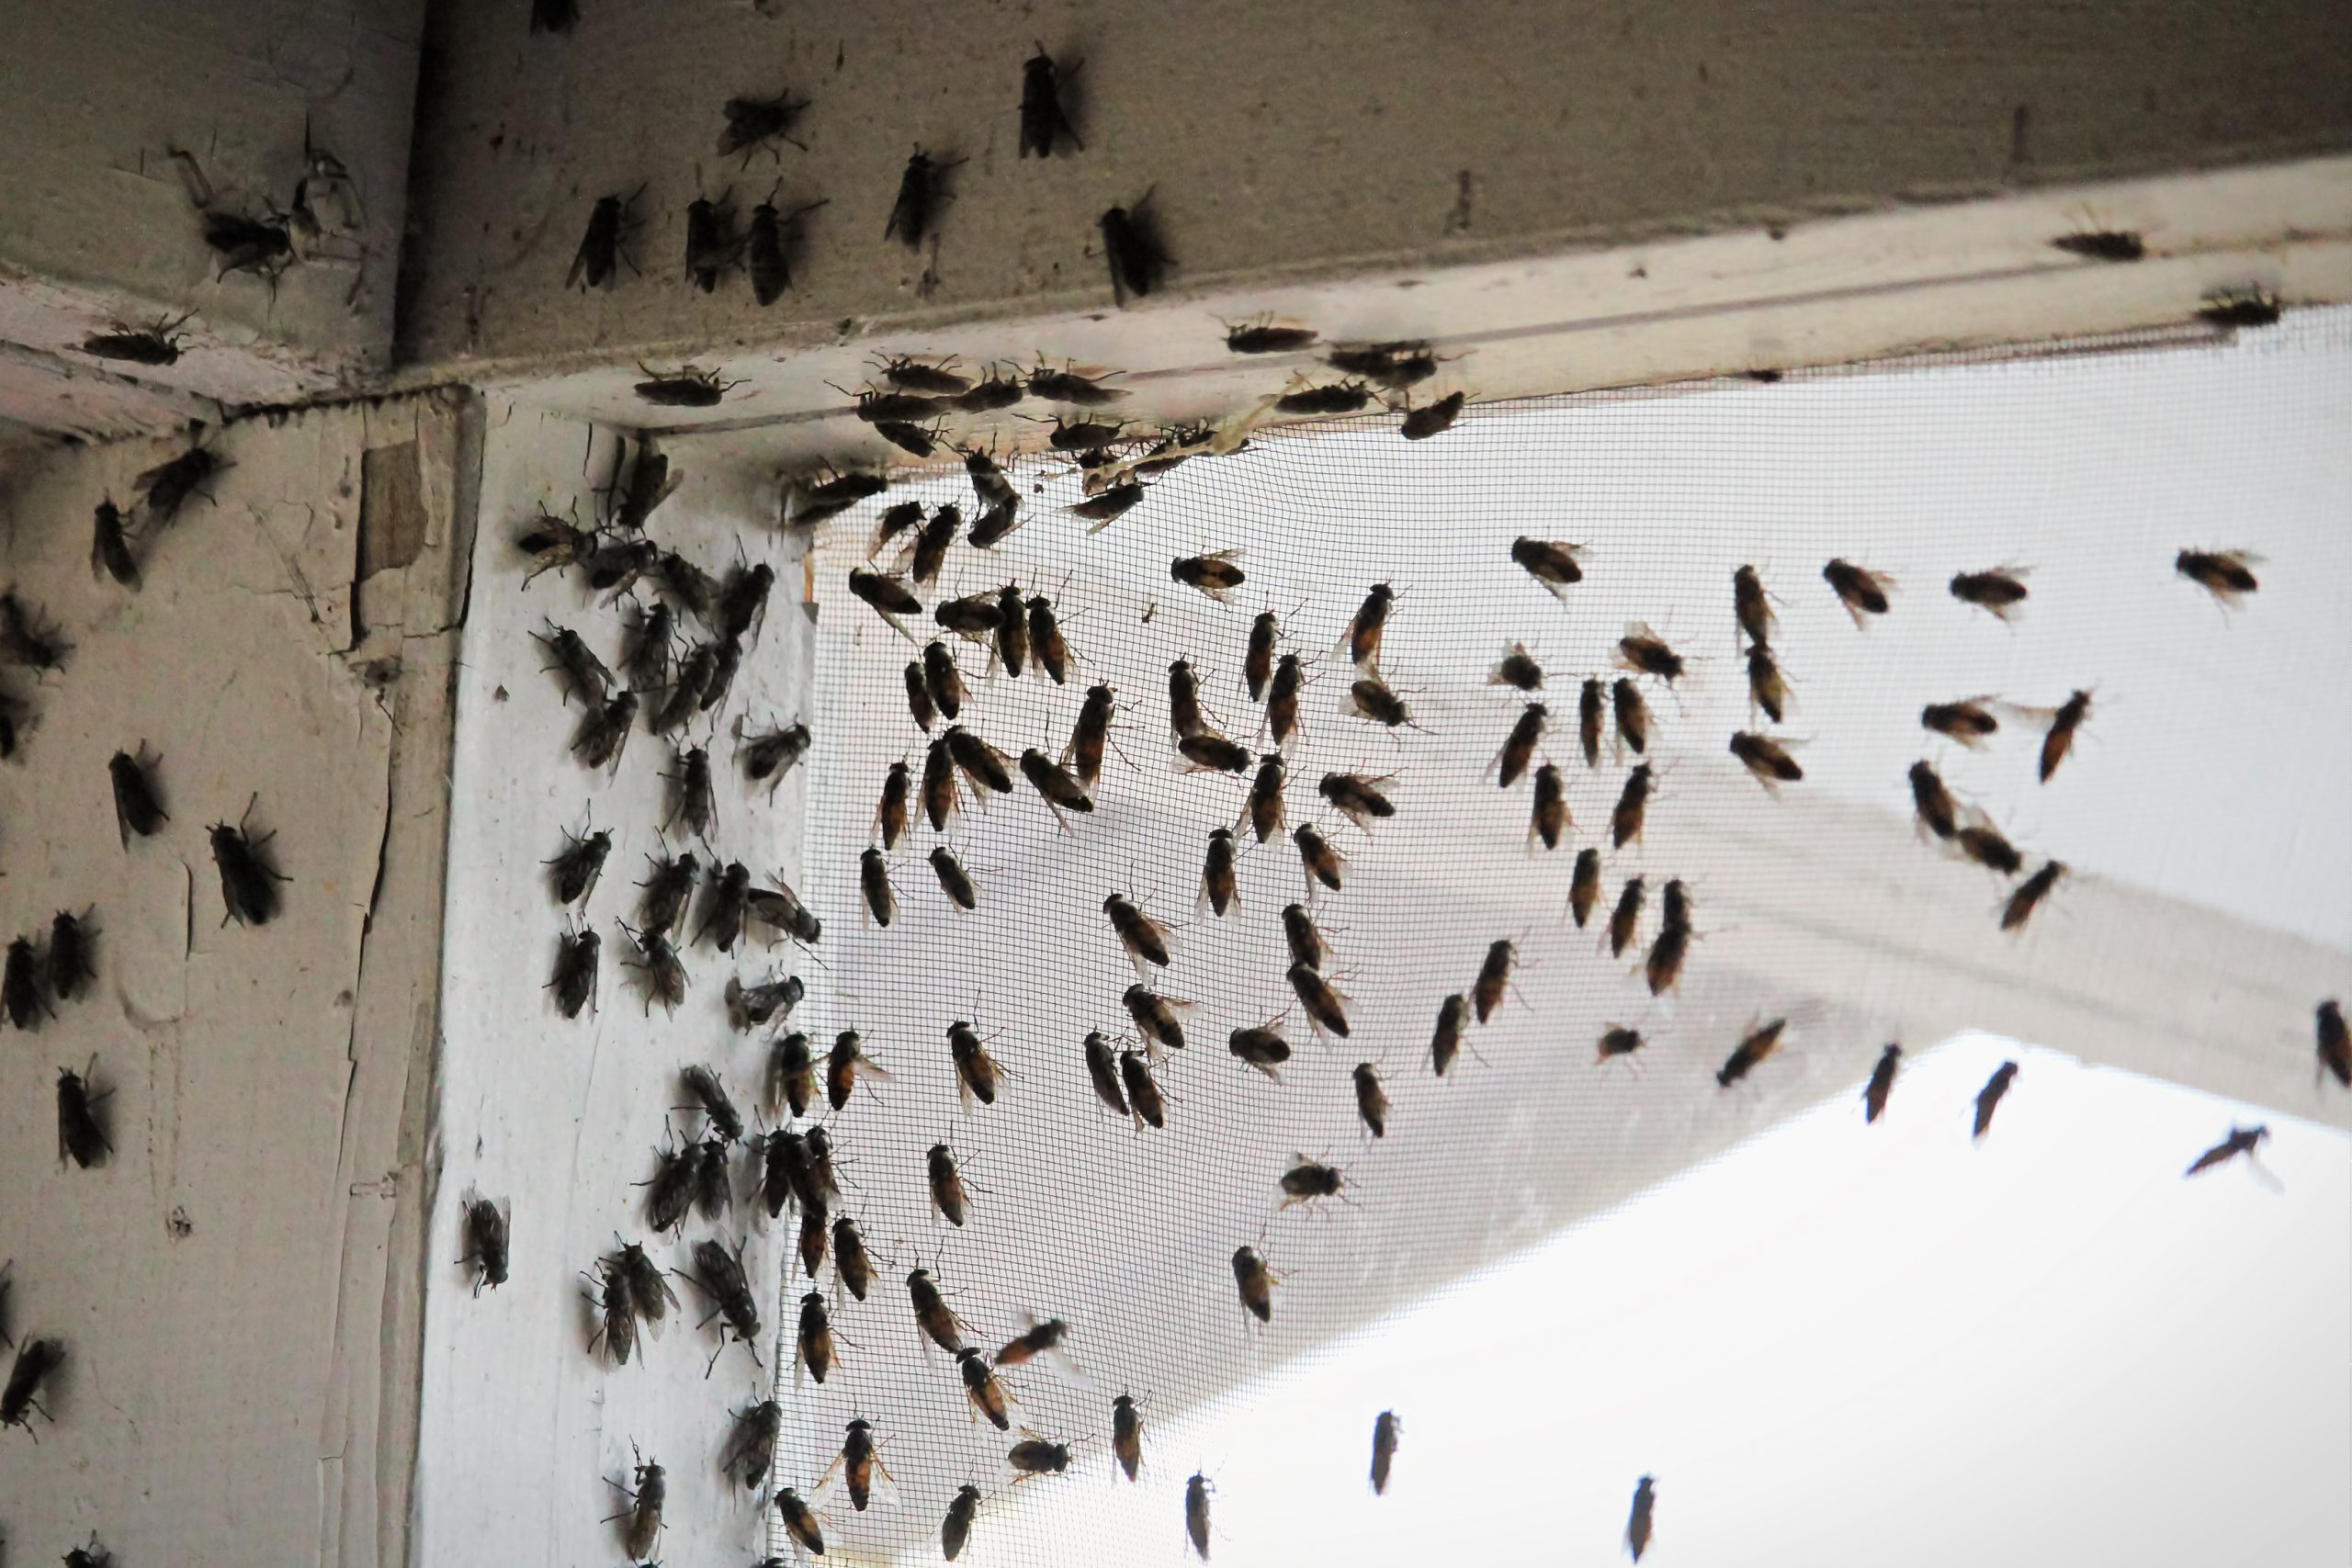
x=2091 y=469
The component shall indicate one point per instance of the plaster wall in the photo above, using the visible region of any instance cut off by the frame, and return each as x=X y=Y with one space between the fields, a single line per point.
x=238 y=1285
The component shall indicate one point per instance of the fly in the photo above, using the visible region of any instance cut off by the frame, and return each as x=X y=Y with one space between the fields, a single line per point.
x=1305 y=941
x=982 y=1387
x=1396 y=366
x=643 y=1515
x=1126 y=1435
x=2334 y=1048
x=1548 y=819
x=1046 y=639
x=1281 y=698
x=1550 y=562
x=2103 y=245
x=690 y=387
x=1070 y=386
x=752 y=124
x=1633 y=717
x=1139 y=260
x=751 y=1443
x=1265 y=337
x=1494 y=979
x=1517 y=669
x=2030 y=894
x=991 y=394
x=980 y=762
x=1367 y=627
x=1012 y=630
x=1214 y=574
x=167 y=486
x=2251 y=307
x=2227 y=575
x=1433 y=419
x=1102 y=1072
x=1984 y=843
x=248 y=881
x=942 y=681
x=1989 y=1098
x=949 y=1200
x=767 y=1001
x=1323 y=864
x=651 y=483
x=1970 y=722
x=1211 y=752
x=955 y=1529
x=158 y=346
x=1584 y=887
x=110 y=550
x=1156 y=1017
x=1358 y=797
x=1589 y=713
x=1336 y=398
x=1752 y=608
x=69 y=970
x=1645 y=653
x=780 y=907
x=1766 y=687
x=939 y=790
x=1765 y=758
x=844 y=1065
x=1518 y=746
x=1860 y=591
x=1325 y=1004
x=933 y=1321
x=974 y=618
x=23 y=639
x=1386 y=1429
x=1637 y=1523
x=977 y=1072
x=1260 y=1046
x=21 y=991
x=81 y=1136
x=1150 y=1107
x=1256 y=1284
x=574 y=980
x=1750 y=1053
x=954 y=880
x=602 y=734
x=1618 y=1041
x=1373 y=698
x=1088 y=735
x=859 y=1466
x=767 y=758
x=1037 y=1456
x=692 y=798
x=2063 y=727
x=1633 y=806
x=1626 y=921
x=2241 y=1141
x=799 y=1521
x=889 y=596
x=597 y=261
x=1932 y=802
x=1054 y=783
x=1371 y=1099
x=916 y=209
x=1998 y=591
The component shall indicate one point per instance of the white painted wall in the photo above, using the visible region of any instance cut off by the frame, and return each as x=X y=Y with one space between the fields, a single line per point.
x=237 y=1285
x=523 y=1426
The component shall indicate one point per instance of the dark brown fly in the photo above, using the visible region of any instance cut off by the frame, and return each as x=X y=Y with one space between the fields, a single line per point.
x=1518 y=747
x=2251 y=307
x=36 y=1360
x=1263 y=810
x=248 y=881
x=916 y=208
x=977 y=1072
x=1256 y=1284
x=780 y=908
x=1157 y=1017
x=873 y=883
x=1218 y=883
x=1618 y=1041
x=1264 y=337
x=1589 y=713
x=850 y=1258
x=1626 y=921
x=1044 y=123
x=1750 y=607
x=670 y=1192
x=941 y=682
x=1324 y=865
x=1882 y=1083
x=1258 y=661
x=1517 y=669
x=1126 y=1435
x=2030 y=894
x=1214 y=574
x=980 y=762
x=616 y=1315
x=891 y=812
x=1633 y=717
x=597 y=261
x=602 y=734
x=20 y=993
x=814 y=1340
x=1083 y=756
x=1150 y=1107
x=1550 y=562
x=1139 y=260
x=763 y=1002
x=1102 y=1072
x=890 y=597
x=2227 y=575
x=689 y=388
x=1860 y=591
x=1041 y=1339
x=1750 y=1053
x=933 y=1321
x=1494 y=979
x=1970 y=722
x=938 y=789
x=1053 y=785
x=1633 y=806
x=1012 y=630
x=1933 y=803
x=751 y=1443
x=1387 y=1427
x=81 y=1135
x=1037 y=1456
x=574 y=979
x=68 y=969
x=1984 y=843
x=1433 y=419
x=1305 y=941
x=167 y=487
x=1196 y=1499
x=1212 y=752
x=1326 y=1005
x=110 y=550
x=1308 y=1182
x=953 y=879
x=974 y=617
x=1373 y=698
x=1584 y=887
x=791 y=1074
x=1358 y=797
x=1260 y=1046
x=1366 y=627
x=1068 y=385
x=486 y=1248
x=1767 y=689
x=1281 y=698
x=1999 y=590
x=948 y=1199
x=1371 y=1099
x=1765 y=758
x=1113 y=503
x=1637 y=1524
x=2333 y=1046
x=2063 y=727
x=980 y=1386
x=1645 y=653
x=2241 y=1141
x=799 y=1522
x=955 y=1529
x=1046 y=639
x=845 y=1064
x=2103 y=245
x=1338 y=398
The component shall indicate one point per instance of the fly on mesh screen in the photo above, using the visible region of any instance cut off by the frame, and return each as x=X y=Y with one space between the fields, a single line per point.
x=1362 y=859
